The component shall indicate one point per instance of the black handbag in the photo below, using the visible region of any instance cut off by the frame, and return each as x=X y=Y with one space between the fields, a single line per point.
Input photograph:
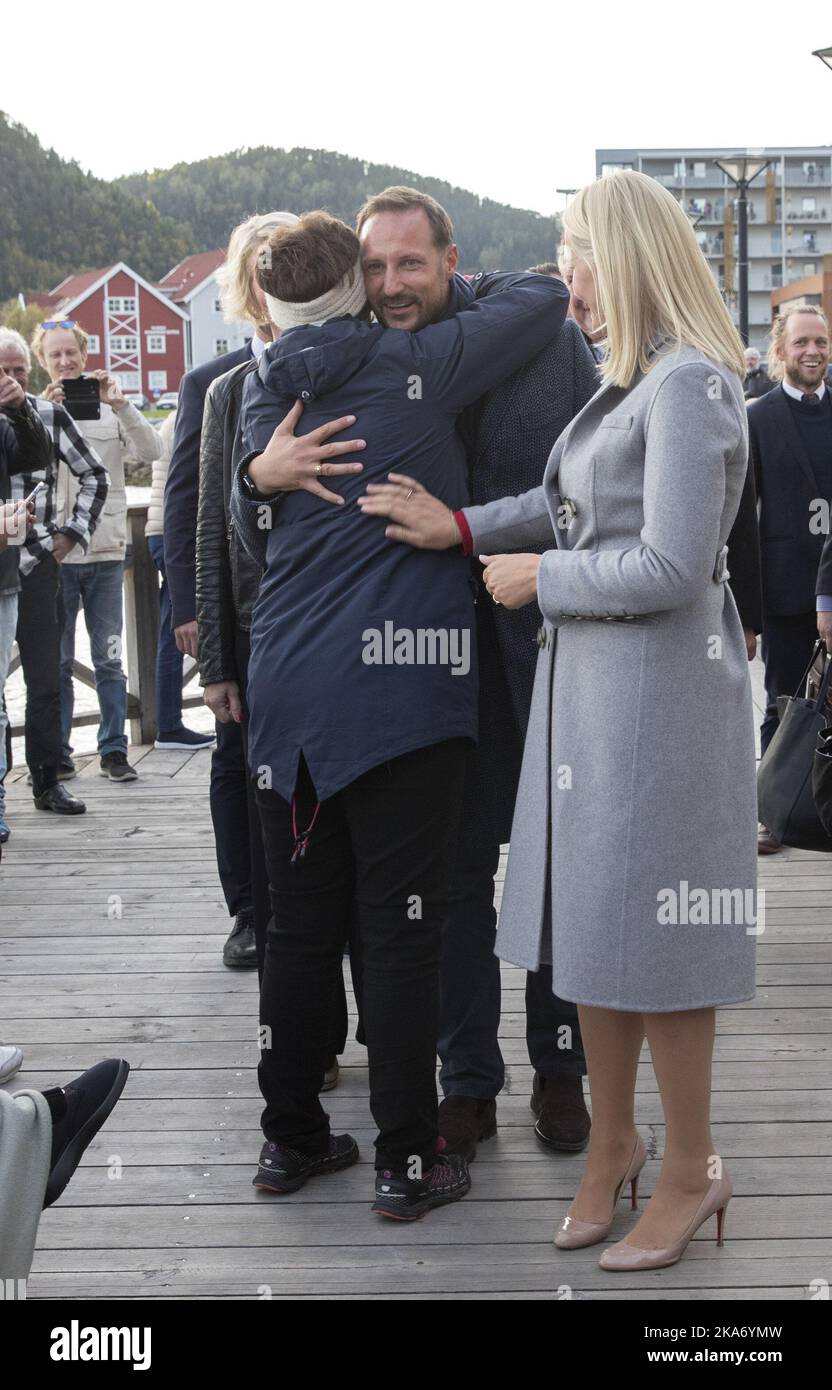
x=822 y=779
x=785 y=797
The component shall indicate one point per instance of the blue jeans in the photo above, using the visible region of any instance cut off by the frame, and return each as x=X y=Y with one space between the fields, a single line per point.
x=8 y=627
x=468 y=1045
x=97 y=586
x=169 y=659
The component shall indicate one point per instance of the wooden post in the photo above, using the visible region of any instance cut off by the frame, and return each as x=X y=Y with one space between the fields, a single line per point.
x=141 y=626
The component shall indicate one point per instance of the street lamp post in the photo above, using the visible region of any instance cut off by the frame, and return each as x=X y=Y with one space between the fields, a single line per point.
x=742 y=170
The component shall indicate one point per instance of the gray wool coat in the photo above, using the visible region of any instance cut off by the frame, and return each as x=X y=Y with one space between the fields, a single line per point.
x=633 y=848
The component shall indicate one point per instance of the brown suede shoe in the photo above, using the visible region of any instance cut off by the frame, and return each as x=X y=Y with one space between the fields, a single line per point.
x=464 y=1122
x=563 y=1121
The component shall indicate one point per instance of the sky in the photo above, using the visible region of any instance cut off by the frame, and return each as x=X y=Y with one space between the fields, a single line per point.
x=511 y=111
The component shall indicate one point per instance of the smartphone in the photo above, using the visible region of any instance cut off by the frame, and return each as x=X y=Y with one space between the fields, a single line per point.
x=36 y=491
x=82 y=397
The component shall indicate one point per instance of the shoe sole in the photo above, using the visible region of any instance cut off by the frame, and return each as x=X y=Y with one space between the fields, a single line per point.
x=240 y=964
x=133 y=777
x=560 y=1146
x=329 y=1085
x=185 y=747
x=430 y=1204
x=72 y=1154
x=294 y=1184
x=77 y=810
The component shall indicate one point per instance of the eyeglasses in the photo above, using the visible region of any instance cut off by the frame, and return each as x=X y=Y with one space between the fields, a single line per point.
x=59 y=323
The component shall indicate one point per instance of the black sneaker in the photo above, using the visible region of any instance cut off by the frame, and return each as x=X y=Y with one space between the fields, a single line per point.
x=406 y=1199
x=183 y=738
x=285 y=1170
x=78 y=1110
x=116 y=767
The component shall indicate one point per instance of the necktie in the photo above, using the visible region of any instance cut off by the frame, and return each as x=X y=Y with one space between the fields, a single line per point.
x=810 y=400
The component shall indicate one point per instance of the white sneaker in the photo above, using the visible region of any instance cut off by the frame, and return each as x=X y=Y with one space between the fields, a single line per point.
x=11 y=1060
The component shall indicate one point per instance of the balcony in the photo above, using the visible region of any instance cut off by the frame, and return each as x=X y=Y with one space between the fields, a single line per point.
x=796 y=178
x=819 y=215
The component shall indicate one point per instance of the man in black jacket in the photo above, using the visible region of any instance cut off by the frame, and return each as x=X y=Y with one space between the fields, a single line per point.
x=24 y=447
x=790 y=434
x=229 y=792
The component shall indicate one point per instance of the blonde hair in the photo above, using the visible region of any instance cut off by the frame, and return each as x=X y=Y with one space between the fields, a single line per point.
x=651 y=278
x=775 y=365
x=82 y=338
x=236 y=275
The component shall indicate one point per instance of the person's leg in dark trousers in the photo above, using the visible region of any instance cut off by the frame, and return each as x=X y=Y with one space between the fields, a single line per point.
x=311 y=908
x=399 y=882
x=169 y=659
x=229 y=814
x=39 y=626
x=259 y=877
x=472 y=1063
x=553 y=1033
x=786 y=648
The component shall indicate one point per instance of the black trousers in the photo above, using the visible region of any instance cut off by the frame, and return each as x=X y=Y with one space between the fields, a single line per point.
x=378 y=862
x=39 y=627
x=787 y=645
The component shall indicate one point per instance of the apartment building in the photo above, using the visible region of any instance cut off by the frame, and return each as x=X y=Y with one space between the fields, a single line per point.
x=789 y=216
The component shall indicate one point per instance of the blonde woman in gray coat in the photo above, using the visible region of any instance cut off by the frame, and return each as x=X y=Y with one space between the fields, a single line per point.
x=633 y=849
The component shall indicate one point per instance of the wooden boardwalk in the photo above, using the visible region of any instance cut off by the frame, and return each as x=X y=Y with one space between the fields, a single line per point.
x=112 y=928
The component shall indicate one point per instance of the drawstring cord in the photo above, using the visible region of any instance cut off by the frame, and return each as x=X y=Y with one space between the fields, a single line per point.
x=301 y=841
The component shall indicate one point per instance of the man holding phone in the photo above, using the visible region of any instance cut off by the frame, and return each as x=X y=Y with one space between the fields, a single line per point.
x=117 y=432
x=45 y=547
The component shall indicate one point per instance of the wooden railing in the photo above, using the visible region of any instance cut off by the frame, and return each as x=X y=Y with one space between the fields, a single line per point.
x=141 y=635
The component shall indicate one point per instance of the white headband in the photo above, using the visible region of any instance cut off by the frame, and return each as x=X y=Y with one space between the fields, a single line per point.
x=347 y=297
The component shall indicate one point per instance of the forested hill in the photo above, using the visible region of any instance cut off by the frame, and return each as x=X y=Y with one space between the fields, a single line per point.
x=212 y=195
x=56 y=220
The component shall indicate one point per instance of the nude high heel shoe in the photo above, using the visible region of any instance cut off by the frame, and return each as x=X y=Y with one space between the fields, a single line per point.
x=574 y=1235
x=626 y=1257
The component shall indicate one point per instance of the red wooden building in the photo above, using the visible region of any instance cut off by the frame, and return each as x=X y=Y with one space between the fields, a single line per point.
x=135 y=330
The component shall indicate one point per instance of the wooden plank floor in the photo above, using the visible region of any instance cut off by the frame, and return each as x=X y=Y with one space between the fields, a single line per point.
x=112 y=928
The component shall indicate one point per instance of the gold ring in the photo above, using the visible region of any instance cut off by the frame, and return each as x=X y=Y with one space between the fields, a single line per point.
x=409 y=495
x=319 y=468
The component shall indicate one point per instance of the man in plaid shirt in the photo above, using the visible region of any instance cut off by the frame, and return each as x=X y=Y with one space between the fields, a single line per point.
x=40 y=613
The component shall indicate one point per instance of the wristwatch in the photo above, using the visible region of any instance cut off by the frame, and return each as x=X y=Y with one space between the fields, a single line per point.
x=247 y=483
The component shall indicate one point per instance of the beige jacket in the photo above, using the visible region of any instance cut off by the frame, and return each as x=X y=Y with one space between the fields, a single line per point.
x=155 y=524
x=116 y=439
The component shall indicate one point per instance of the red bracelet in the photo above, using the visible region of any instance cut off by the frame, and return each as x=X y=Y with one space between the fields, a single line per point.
x=465 y=533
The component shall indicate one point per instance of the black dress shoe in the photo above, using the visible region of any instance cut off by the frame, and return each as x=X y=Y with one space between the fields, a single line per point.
x=59 y=800
x=563 y=1122
x=464 y=1122
x=240 y=950
x=78 y=1110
